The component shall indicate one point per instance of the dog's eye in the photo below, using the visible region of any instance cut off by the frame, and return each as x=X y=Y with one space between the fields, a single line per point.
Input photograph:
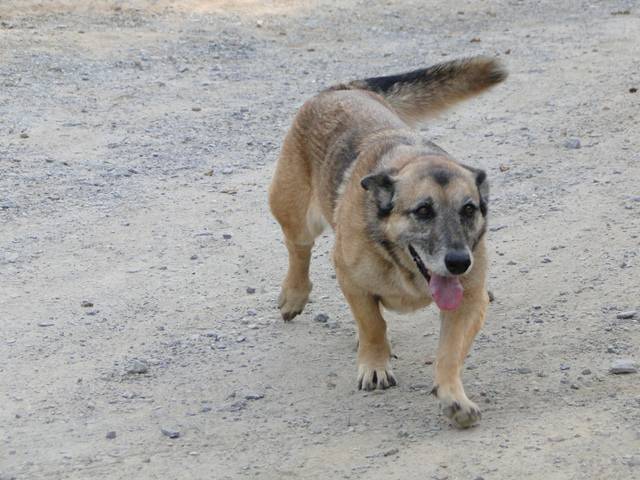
x=425 y=212
x=468 y=211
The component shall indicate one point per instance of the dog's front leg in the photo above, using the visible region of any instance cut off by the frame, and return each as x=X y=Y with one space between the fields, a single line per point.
x=374 y=351
x=458 y=329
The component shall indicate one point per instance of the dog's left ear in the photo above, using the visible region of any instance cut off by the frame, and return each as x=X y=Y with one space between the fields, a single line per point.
x=382 y=187
x=483 y=187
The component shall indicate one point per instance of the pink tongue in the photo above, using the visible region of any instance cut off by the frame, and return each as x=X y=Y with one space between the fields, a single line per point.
x=446 y=291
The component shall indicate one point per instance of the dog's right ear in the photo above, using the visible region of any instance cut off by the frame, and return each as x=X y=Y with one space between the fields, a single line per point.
x=382 y=188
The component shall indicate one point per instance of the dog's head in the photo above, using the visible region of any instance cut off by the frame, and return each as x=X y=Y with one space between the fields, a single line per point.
x=433 y=209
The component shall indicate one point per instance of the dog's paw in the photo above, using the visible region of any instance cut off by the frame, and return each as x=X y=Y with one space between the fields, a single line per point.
x=458 y=408
x=291 y=301
x=375 y=378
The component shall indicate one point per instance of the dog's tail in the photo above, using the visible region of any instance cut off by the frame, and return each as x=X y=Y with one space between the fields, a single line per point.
x=421 y=93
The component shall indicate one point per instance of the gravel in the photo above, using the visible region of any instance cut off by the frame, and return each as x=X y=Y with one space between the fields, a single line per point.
x=136 y=366
x=170 y=432
x=622 y=366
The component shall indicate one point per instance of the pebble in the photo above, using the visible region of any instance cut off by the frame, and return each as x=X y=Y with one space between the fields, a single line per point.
x=392 y=451
x=252 y=312
x=575 y=386
x=254 y=396
x=331 y=323
x=524 y=371
x=226 y=236
x=586 y=371
x=632 y=461
x=213 y=335
x=170 y=432
x=626 y=315
x=572 y=143
x=86 y=304
x=564 y=366
x=46 y=324
x=321 y=318
x=623 y=365
x=227 y=171
x=193 y=257
x=241 y=339
x=111 y=435
x=251 y=290
x=136 y=366
x=237 y=406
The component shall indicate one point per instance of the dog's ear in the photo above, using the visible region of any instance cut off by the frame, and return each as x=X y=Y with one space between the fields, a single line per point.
x=382 y=187
x=483 y=187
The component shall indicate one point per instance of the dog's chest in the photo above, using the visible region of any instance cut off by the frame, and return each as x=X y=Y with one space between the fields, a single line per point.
x=404 y=294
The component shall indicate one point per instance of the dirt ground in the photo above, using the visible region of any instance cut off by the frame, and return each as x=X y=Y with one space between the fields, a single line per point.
x=138 y=139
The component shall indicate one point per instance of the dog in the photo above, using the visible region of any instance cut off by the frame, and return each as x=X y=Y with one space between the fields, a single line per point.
x=409 y=220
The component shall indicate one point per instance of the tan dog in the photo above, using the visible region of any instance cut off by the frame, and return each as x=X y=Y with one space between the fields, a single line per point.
x=409 y=220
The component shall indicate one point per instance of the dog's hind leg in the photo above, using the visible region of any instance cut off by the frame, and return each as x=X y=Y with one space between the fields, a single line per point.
x=290 y=198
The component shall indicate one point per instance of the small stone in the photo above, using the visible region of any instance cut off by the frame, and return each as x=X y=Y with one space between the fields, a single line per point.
x=237 y=406
x=86 y=304
x=241 y=339
x=321 y=318
x=546 y=260
x=227 y=171
x=196 y=109
x=251 y=290
x=226 y=236
x=170 y=432
x=252 y=312
x=586 y=371
x=193 y=257
x=254 y=396
x=212 y=334
x=575 y=386
x=392 y=451
x=504 y=167
x=111 y=435
x=136 y=366
x=524 y=371
x=331 y=323
x=633 y=90
x=611 y=349
x=564 y=366
x=24 y=135
x=46 y=324
x=622 y=366
x=632 y=461
x=626 y=315
x=572 y=143
x=92 y=313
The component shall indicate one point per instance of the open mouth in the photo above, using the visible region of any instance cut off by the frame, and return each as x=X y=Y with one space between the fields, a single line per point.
x=445 y=291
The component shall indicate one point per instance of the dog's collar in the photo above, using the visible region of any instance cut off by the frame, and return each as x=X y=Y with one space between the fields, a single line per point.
x=419 y=263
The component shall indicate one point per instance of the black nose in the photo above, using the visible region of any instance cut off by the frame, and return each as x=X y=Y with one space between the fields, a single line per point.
x=457 y=261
